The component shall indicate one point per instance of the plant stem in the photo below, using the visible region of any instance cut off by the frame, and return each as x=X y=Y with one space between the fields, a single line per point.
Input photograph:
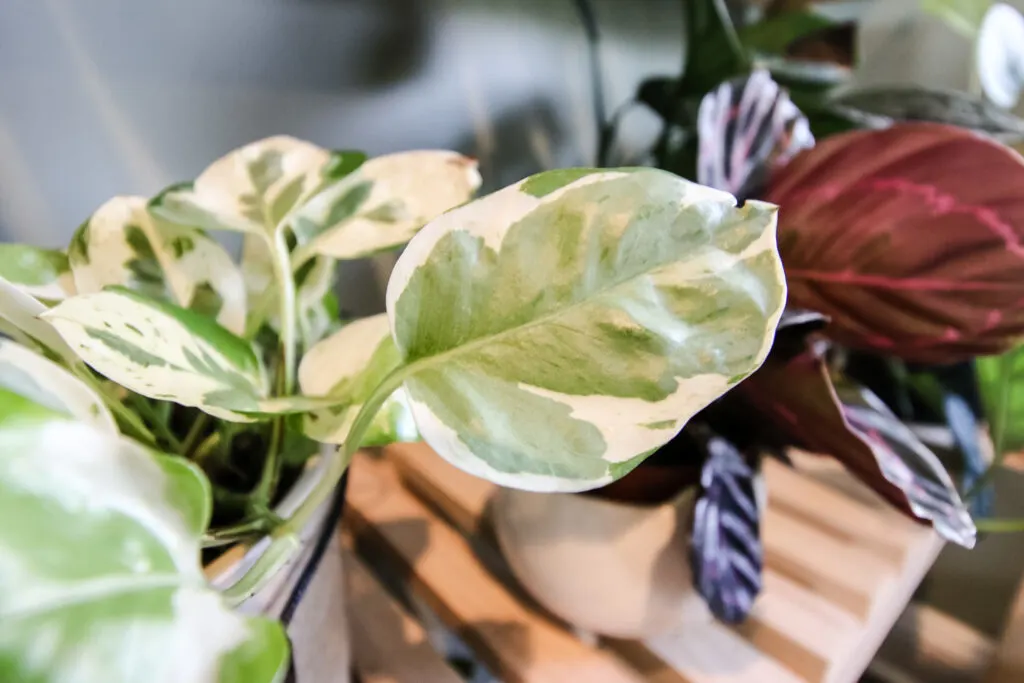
x=194 y=433
x=283 y=272
x=145 y=410
x=1000 y=526
x=204 y=449
x=267 y=485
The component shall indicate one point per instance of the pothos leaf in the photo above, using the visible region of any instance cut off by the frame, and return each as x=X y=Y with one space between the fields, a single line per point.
x=746 y=127
x=31 y=375
x=163 y=351
x=22 y=311
x=122 y=243
x=725 y=548
x=101 y=540
x=558 y=331
x=909 y=239
x=852 y=425
x=41 y=273
x=348 y=366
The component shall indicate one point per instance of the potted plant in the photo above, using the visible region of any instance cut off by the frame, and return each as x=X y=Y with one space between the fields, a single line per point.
x=158 y=402
x=901 y=248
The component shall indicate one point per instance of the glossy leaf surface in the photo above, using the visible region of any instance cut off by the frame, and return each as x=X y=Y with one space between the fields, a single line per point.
x=42 y=273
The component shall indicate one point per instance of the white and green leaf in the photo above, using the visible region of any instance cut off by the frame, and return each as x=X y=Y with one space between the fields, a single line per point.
x=558 y=331
x=41 y=273
x=29 y=374
x=163 y=351
x=20 y=311
x=123 y=243
x=348 y=366
x=101 y=541
x=260 y=289
x=382 y=204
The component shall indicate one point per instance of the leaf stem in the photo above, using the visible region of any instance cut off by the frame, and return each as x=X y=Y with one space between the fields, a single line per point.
x=283 y=272
x=1000 y=526
x=146 y=411
x=194 y=434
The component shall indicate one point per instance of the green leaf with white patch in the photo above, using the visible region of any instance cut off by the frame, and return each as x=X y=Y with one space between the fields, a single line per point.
x=260 y=289
x=42 y=273
x=315 y=304
x=382 y=204
x=556 y=332
x=101 y=541
x=123 y=243
x=163 y=351
x=29 y=374
x=347 y=367
x=21 y=312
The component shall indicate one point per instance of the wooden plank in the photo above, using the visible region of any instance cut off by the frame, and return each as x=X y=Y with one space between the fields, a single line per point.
x=842 y=516
x=1008 y=666
x=461 y=497
x=515 y=643
x=388 y=646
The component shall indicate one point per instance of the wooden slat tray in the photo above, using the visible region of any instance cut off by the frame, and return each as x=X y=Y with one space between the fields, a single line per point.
x=840 y=569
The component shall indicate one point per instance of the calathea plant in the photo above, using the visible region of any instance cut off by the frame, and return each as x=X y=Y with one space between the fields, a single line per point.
x=156 y=399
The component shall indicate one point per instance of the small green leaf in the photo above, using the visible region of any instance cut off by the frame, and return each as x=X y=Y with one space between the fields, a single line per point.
x=101 y=540
x=42 y=273
x=163 y=351
x=549 y=340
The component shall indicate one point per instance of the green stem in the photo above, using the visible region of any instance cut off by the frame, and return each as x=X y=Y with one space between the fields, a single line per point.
x=999 y=434
x=271 y=465
x=283 y=273
x=195 y=432
x=1000 y=526
x=145 y=410
x=207 y=446
x=130 y=423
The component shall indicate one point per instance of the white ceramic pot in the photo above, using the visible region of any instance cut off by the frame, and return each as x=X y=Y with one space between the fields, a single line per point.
x=318 y=630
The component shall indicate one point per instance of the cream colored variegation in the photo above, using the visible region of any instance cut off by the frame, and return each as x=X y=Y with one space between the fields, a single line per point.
x=558 y=331
x=162 y=352
x=175 y=263
x=348 y=366
x=100 y=542
x=391 y=197
x=44 y=382
x=22 y=311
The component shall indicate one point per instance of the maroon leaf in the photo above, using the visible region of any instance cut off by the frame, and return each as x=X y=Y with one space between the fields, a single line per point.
x=853 y=425
x=747 y=126
x=909 y=239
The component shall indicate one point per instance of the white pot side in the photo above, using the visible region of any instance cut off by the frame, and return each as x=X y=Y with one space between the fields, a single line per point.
x=611 y=568
x=319 y=628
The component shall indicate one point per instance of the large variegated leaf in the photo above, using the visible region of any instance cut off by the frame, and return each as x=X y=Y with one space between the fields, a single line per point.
x=383 y=203
x=42 y=273
x=251 y=189
x=123 y=243
x=100 y=577
x=21 y=311
x=559 y=330
x=349 y=365
x=162 y=351
x=27 y=373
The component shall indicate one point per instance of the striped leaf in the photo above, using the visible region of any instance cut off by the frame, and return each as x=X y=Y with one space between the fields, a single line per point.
x=101 y=579
x=559 y=330
x=348 y=366
x=42 y=273
x=162 y=351
x=123 y=243
x=31 y=375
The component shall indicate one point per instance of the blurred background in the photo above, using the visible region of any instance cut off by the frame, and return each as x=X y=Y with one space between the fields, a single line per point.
x=105 y=97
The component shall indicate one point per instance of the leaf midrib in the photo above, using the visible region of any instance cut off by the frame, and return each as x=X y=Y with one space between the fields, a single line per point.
x=82 y=592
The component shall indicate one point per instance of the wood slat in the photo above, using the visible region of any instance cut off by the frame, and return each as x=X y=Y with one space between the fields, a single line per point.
x=388 y=645
x=1008 y=666
x=515 y=643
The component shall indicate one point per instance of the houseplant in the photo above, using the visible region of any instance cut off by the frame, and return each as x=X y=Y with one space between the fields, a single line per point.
x=548 y=336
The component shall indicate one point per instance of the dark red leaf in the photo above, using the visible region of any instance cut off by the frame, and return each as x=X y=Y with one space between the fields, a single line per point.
x=909 y=239
x=853 y=425
x=746 y=126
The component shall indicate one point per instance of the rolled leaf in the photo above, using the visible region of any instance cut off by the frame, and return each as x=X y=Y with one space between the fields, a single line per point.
x=42 y=273
x=559 y=330
x=101 y=579
x=726 y=556
x=122 y=243
x=29 y=374
x=348 y=366
x=162 y=351
x=909 y=239
x=22 y=311
x=852 y=425
x=383 y=203
x=901 y=103
x=746 y=127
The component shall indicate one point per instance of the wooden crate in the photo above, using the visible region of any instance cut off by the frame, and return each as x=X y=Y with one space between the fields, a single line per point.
x=840 y=568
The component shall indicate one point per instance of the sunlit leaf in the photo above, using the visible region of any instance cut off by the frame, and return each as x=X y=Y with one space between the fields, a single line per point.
x=21 y=311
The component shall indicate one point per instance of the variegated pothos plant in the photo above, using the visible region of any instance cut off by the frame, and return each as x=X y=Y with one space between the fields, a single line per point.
x=548 y=336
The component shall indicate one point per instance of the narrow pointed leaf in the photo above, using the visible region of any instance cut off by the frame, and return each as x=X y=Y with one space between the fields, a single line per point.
x=910 y=239
x=101 y=541
x=383 y=203
x=852 y=425
x=162 y=351
x=746 y=127
x=42 y=273
x=558 y=331
x=968 y=434
x=31 y=375
x=122 y=243
x=347 y=366
x=726 y=556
